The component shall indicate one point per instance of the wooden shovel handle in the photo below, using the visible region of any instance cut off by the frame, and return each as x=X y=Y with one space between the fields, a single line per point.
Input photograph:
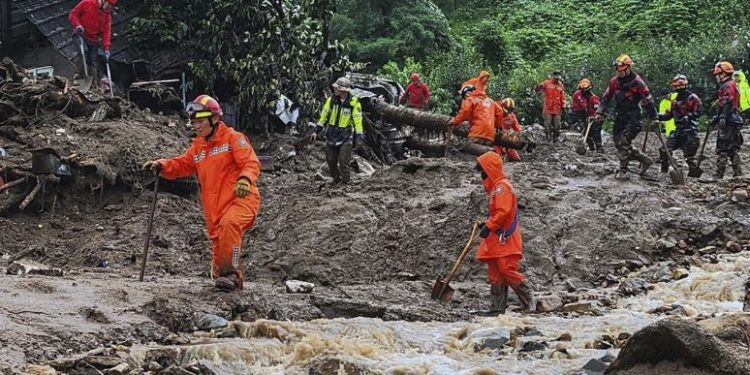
x=463 y=254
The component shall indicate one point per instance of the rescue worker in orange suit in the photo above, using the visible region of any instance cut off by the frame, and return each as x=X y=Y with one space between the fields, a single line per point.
x=685 y=109
x=507 y=122
x=92 y=20
x=590 y=103
x=628 y=90
x=417 y=94
x=501 y=247
x=228 y=171
x=479 y=83
x=480 y=111
x=729 y=139
x=554 y=101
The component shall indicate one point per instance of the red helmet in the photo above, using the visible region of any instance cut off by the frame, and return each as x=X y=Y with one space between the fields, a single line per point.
x=203 y=106
x=680 y=81
x=112 y=2
x=414 y=77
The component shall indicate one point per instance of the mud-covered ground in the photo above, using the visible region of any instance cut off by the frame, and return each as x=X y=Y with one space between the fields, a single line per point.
x=373 y=248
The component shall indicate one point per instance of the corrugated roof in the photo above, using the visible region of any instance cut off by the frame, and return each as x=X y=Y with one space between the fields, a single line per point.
x=51 y=18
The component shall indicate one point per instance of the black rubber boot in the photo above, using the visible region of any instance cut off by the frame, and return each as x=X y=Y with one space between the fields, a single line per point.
x=721 y=166
x=736 y=166
x=528 y=303
x=499 y=298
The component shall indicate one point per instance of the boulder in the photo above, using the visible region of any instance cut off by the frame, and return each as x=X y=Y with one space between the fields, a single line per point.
x=676 y=340
x=490 y=338
x=296 y=286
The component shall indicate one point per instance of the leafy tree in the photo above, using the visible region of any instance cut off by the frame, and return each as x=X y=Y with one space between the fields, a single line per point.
x=260 y=48
x=378 y=31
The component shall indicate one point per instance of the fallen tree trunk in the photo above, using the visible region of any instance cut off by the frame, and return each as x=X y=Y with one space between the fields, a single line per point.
x=441 y=123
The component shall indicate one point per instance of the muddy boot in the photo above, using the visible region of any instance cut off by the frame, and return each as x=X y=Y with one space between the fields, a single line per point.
x=525 y=296
x=227 y=283
x=736 y=167
x=721 y=166
x=499 y=298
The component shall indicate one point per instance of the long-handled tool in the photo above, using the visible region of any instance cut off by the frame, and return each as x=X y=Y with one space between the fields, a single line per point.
x=675 y=173
x=442 y=289
x=583 y=147
x=84 y=83
x=148 y=231
x=109 y=78
x=697 y=172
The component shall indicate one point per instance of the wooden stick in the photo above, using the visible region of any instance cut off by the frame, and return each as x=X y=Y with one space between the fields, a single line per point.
x=12 y=184
x=32 y=195
x=148 y=231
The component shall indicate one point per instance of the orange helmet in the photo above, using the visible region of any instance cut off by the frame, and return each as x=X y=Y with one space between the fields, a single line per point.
x=723 y=67
x=508 y=103
x=679 y=81
x=202 y=107
x=585 y=84
x=622 y=62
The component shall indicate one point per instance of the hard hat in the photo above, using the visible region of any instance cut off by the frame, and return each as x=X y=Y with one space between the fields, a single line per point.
x=723 y=67
x=622 y=62
x=203 y=106
x=508 y=103
x=680 y=81
x=466 y=90
x=343 y=84
x=585 y=84
x=414 y=77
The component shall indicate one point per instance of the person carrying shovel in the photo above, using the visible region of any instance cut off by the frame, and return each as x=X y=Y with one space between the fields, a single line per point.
x=590 y=104
x=501 y=246
x=685 y=109
x=627 y=90
x=228 y=171
x=92 y=22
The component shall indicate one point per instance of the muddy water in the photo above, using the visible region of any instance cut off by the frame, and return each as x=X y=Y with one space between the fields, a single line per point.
x=271 y=347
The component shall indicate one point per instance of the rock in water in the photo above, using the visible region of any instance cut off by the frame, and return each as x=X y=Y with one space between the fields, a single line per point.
x=296 y=286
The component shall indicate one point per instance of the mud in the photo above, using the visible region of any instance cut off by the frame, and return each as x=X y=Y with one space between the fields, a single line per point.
x=373 y=248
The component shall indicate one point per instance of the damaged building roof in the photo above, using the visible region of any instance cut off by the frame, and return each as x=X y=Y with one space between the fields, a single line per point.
x=51 y=18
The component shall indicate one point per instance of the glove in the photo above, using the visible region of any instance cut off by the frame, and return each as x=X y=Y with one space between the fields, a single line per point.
x=314 y=135
x=242 y=189
x=79 y=29
x=106 y=54
x=599 y=117
x=153 y=165
x=484 y=231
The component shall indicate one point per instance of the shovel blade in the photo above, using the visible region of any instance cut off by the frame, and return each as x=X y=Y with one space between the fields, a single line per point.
x=84 y=83
x=581 y=150
x=442 y=291
x=676 y=176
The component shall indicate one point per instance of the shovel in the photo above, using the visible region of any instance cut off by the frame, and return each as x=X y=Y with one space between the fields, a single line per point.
x=84 y=84
x=148 y=231
x=675 y=173
x=697 y=172
x=109 y=79
x=442 y=289
x=583 y=147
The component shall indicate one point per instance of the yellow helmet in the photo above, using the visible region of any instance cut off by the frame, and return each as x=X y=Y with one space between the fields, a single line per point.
x=585 y=84
x=622 y=62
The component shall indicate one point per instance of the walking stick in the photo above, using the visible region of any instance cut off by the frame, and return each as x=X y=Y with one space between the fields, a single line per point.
x=148 y=231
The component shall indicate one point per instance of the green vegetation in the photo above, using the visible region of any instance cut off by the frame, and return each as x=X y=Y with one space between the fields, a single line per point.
x=522 y=41
x=254 y=50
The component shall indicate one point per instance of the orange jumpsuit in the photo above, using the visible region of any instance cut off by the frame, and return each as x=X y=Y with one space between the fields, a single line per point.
x=480 y=111
x=219 y=162
x=502 y=256
x=508 y=121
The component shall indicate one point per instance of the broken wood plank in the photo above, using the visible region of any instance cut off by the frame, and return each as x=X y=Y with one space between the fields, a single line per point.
x=30 y=267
